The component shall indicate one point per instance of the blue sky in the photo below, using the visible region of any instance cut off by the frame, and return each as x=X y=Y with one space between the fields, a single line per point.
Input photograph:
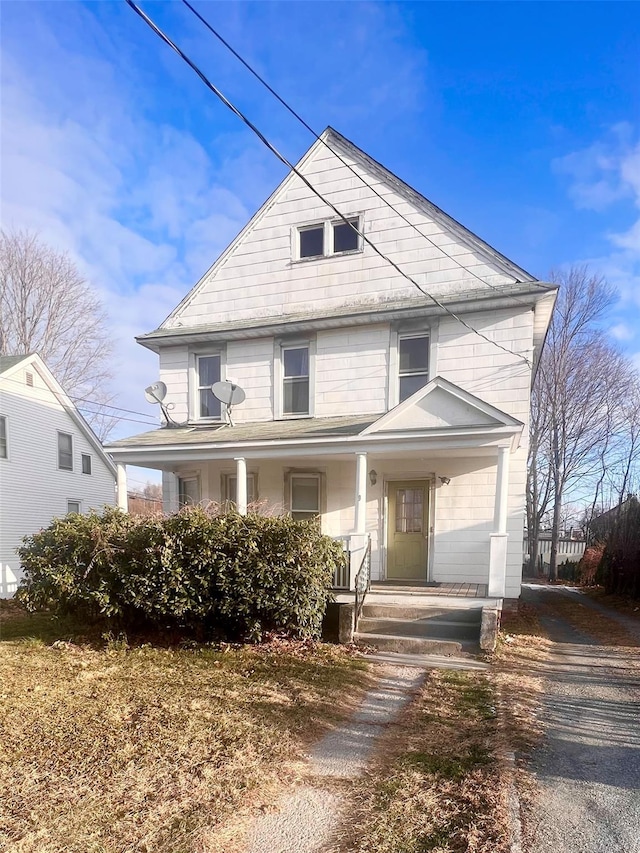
x=522 y=120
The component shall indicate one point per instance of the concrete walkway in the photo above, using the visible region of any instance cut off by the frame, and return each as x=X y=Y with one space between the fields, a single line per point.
x=308 y=816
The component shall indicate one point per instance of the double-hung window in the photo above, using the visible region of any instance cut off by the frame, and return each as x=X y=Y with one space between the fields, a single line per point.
x=207 y=373
x=305 y=496
x=295 y=380
x=188 y=491
x=86 y=463
x=4 y=442
x=413 y=364
x=65 y=451
x=232 y=488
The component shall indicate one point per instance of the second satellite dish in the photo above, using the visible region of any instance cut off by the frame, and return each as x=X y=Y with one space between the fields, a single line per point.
x=228 y=393
x=155 y=393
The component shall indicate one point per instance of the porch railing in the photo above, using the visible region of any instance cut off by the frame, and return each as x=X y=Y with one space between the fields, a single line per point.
x=341 y=574
x=363 y=580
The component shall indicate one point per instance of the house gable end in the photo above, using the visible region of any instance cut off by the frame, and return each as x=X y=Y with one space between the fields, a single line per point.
x=441 y=405
x=260 y=276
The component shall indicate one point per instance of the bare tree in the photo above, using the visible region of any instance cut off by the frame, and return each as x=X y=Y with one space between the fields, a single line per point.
x=580 y=384
x=47 y=307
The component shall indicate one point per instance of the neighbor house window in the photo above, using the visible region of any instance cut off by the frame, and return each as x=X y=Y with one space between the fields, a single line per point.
x=73 y=506
x=331 y=237
x=305 y=496
x=413 y=364
x=208 y=372
x=188 y=491
x=295 y=388
x=4 y=446
x=86 y=463
x=232 y=488
x=65 y=451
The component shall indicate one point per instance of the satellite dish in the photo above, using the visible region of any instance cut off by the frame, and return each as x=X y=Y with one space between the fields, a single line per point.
x=228 y=393
x=155 y=393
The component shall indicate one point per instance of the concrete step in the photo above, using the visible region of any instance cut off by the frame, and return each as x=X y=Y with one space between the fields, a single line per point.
x=434 y=627
x=410 y=645
x=462 y=615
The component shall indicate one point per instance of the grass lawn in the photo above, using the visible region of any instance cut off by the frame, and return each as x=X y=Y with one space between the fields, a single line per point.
x=438 y=783
x=106 y=748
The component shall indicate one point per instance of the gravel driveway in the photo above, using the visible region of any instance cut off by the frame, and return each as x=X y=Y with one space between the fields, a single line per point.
x=588 y=764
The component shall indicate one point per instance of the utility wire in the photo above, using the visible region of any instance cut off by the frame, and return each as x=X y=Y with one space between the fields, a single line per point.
x=307 y=183
x=337 y=154
x=95 y=403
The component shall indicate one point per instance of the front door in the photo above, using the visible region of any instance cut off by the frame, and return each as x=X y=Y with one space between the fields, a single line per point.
x=407 y=530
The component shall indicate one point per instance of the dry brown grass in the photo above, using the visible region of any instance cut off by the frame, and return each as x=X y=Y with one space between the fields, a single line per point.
x=627 y=606
x=150 y=749
x=436 y=784
x=603 y=629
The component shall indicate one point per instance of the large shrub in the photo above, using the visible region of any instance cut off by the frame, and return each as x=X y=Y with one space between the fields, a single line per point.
x=227 y=575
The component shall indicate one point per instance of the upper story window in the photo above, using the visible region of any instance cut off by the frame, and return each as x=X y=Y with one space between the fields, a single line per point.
x=413 y=364
x=332 y=237
x=295 y=381
x=65 y=451
x=208 y=372
x=86 y=463
x=4 y=442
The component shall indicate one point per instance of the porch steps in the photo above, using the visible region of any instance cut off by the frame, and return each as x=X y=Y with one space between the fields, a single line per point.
x=419 y=630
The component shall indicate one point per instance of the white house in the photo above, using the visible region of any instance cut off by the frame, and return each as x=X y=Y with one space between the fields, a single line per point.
x=400 y=419
x=51 y=463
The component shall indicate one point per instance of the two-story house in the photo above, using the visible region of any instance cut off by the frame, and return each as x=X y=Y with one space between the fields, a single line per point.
x=51 y=462
x=395 y=411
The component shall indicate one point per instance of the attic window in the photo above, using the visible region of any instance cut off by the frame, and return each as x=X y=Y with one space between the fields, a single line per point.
x=332 y=237
x=312 y=241
x=29 y=378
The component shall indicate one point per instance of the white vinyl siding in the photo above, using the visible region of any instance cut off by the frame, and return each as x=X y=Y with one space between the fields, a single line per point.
x=65 y=451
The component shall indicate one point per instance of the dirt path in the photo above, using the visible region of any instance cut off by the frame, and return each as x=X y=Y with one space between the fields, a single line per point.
x=588 y=764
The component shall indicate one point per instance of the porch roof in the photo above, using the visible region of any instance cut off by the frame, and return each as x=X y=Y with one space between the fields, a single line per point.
x=223 y=434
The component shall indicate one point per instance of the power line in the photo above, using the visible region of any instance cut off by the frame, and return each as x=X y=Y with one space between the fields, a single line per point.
x=337 y=154
x=307 y=183
x=95 y=403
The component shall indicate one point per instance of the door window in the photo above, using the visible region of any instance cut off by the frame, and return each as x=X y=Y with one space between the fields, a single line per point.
x=409 y=510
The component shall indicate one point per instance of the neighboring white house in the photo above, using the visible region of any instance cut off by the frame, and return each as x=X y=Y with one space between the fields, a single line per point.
x=367 y=403
x=51 y=463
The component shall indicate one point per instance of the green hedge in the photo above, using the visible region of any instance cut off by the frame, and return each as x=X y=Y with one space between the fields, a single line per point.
x=228 y=576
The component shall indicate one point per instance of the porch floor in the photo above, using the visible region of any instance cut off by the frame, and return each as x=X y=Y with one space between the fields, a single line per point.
x=458 y=595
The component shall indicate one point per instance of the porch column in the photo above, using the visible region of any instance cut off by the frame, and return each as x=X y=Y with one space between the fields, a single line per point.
x=360 y=524
x=121 y=486
x=241 y=487
x=498 y=546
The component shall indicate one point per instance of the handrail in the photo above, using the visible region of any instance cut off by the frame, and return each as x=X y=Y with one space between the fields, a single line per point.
x=363 y=581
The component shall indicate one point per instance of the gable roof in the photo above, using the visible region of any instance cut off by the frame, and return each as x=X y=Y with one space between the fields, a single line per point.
x=9 y=361
x=9 y=364
x=338 y=143
x=441 y=404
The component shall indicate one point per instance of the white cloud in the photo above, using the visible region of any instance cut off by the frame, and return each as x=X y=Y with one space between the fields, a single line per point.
x=622 y=332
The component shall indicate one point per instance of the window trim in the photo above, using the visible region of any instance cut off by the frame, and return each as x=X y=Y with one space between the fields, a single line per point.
x=7 y=443
x=194 y=383
x=60 y=467
x=328 y=242
x=227 y=476
x=410 y=330
x=84 y=456
x=184 y=477
x=279 y=345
